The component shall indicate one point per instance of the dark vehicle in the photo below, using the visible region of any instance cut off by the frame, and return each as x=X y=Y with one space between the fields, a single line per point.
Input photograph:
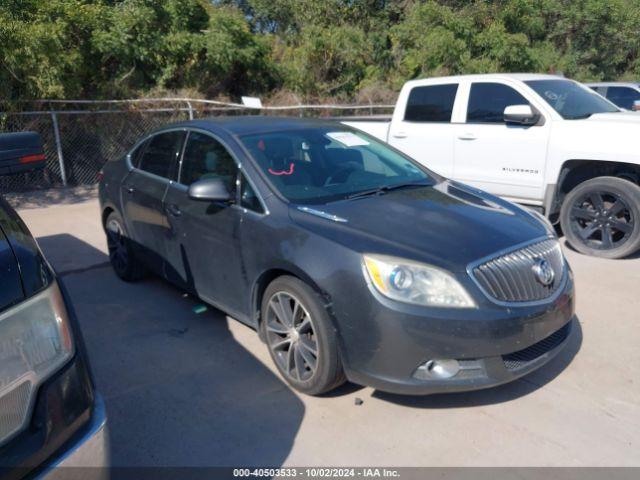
x=50 y=414
x=350 y=259
x=20 y=153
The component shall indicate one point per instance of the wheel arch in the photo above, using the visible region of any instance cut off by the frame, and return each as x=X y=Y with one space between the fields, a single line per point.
x=575 y=171
x=268 y=276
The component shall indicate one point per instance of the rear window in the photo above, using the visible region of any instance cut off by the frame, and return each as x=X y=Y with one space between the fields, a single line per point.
x=432 y=103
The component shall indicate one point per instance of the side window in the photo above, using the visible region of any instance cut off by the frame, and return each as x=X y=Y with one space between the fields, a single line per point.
x=205 y=157
x=487 y=102
x=248 y=197
x=623 y=96
x=431 y=103
x=162 y=152
x=136 y=155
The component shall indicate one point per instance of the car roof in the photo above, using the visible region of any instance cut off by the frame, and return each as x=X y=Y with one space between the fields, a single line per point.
x=249 y=124
x=523 y=77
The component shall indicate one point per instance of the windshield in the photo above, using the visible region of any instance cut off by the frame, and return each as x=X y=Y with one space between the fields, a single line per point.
x=571 y=100
x=320 y=165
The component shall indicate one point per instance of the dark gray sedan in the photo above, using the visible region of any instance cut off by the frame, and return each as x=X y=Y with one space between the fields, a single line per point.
x=351 y=260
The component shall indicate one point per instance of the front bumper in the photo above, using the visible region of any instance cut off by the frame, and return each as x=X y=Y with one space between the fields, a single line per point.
x=493 y=345
x=90 y=449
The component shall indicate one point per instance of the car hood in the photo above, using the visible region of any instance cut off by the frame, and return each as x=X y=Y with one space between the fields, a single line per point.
x=604 y=136
x=21 y=254
x=10 y=282
x=617 y=117
x=449 y=225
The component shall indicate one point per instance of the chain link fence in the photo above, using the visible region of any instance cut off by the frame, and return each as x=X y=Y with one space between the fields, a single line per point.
x=80 y=136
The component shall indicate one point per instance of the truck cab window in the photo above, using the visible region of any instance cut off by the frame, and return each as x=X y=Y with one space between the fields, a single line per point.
x=487 y=102
x=431 y=104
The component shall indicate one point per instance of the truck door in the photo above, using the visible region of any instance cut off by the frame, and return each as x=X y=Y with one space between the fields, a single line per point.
x=421 y=126
x=503 y=159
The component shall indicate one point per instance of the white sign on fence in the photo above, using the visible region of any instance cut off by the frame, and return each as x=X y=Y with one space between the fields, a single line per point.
x=252 y=102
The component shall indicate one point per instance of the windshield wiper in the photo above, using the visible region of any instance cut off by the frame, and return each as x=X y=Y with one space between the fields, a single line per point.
x=386 y=188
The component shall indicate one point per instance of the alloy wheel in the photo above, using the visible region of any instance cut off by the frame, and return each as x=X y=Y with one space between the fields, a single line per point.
x=602 y=220
x=116 y=243
x=291 y=337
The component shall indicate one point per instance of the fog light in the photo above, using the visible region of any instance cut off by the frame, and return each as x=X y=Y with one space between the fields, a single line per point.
x=439 y=369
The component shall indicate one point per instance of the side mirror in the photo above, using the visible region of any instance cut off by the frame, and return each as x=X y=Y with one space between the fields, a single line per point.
x=21 y=152
x=636 y=106
x=521 y=115
x=210 y=189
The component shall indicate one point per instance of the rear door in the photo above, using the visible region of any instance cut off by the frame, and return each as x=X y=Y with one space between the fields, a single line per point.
x=422 y=129
x=503 y=159
x=143 y=193
x=202 y=243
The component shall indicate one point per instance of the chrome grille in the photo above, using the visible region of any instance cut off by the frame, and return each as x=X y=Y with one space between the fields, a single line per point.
x=14 y=407
x=511 y=278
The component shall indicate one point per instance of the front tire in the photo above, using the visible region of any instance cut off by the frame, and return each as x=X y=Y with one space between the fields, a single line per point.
x=121 y=254
x=300 y=336
x=601 y=217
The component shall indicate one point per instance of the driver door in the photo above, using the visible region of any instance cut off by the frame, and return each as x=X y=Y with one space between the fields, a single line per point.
x=203 y=248
x=503 y=159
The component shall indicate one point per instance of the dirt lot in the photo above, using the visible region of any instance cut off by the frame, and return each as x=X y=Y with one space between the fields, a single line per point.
x=199 y=389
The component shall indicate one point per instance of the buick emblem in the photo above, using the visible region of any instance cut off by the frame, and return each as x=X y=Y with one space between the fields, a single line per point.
x=543 y=271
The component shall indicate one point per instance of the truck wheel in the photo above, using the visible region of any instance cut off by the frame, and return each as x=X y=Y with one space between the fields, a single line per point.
x=601 y=217
x=121 y=254
x=300 y=336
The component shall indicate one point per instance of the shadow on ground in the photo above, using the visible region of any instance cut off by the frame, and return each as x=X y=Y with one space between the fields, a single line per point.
x=179 y=390
x=503 y=393
x=51 y=196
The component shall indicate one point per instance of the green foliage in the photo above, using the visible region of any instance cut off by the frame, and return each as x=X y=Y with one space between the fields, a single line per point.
x=314 y=48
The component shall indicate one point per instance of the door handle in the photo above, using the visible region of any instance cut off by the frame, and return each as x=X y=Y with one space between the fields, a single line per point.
x=130 y=190
x=173 y=210
x=467 y=136
x=399 y=135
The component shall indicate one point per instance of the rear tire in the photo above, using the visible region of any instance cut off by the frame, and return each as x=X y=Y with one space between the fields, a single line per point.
x=121 y=254
x=300 y=336
x=601 y=217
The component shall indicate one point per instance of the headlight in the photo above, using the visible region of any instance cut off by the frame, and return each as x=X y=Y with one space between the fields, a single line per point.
x=35 y=341
x=417 y=283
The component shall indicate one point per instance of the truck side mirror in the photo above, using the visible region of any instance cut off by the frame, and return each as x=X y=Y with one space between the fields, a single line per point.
x=521 y=115
x=21 y=152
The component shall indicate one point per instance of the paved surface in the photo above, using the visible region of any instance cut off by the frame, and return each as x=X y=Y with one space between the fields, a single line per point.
x=188 y=389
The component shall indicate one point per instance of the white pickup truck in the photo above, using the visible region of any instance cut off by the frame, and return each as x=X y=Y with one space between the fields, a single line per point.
x=540 y=140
